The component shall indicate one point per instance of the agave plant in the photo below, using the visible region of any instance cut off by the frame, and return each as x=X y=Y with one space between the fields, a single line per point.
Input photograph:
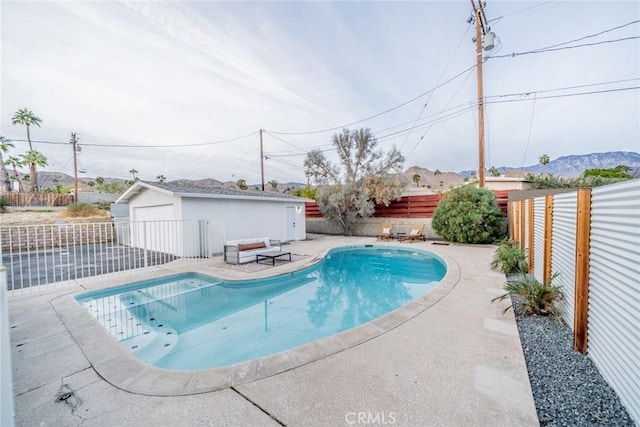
x=534 y=297
x=509 y=258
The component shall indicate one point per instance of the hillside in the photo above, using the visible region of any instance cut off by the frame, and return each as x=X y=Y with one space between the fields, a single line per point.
x=565 y=166
x=574 y=165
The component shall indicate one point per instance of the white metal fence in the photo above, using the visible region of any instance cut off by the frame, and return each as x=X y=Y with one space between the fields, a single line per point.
x=37 y=255
x=614 y=289
x=613 y=252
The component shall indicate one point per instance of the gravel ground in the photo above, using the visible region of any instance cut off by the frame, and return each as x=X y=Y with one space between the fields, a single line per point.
x=568 y=389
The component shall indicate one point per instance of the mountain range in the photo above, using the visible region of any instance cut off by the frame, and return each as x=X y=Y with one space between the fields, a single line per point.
x=565 y=166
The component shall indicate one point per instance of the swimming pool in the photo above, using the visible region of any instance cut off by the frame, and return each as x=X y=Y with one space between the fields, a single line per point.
x=192 y=321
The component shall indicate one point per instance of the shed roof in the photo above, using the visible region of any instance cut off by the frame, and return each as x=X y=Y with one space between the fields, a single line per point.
x=188 y=190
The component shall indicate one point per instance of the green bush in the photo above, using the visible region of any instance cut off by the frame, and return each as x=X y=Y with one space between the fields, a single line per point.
x=534 y=297
x=469 y=215
x=3 y=204
x=509 y=258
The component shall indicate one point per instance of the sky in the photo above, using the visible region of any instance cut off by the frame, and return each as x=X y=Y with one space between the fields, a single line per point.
x=182 y=89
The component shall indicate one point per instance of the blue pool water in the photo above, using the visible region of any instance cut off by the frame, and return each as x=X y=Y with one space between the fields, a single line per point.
x=192 y=321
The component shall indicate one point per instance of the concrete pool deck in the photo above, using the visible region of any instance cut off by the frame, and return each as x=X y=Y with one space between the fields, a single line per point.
x=452 y=359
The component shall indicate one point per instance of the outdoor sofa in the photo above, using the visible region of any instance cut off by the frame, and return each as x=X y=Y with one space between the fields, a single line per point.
x=245 y=250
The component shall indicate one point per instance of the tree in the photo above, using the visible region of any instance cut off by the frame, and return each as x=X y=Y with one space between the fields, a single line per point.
x=493 y=171
x=274 y=184
x=5 y=144
x=99 y=180
x=133 y=173
x=26 y=117
x=469 y=215
x=161 y=178
x=362 y=178
x=242 y=184
x=544 y=160
x=16 y=163
x=416 y=179
x=34 y=158
x=619 y=172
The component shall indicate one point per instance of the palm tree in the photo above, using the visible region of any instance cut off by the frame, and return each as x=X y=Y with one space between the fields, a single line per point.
x=26 y=117
x=493 y=171
x=161 y=178
x=16 y=163
x=544 y=160
x=242 y=184
x=133 y=173
x=34 y=158
x=437 y=172
x=5 y=144
x=416 y=179
x=274 y=184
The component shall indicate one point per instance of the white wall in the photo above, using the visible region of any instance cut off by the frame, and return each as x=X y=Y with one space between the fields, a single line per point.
x=248 y=218
x=150 y=198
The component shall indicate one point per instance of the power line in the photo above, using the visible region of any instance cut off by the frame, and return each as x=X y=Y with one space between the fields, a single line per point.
x=565 y=88
x=519 y=11
x=85 y=144
x=378 y=114
x=543 y=50
x=557 y=46
x=566 y=95
x=424 y=107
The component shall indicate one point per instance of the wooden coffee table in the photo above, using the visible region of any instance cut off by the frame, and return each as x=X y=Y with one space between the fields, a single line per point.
x=272 y=256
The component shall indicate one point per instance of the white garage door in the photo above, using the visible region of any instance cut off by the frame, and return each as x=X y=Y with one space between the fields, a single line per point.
x=153 y=213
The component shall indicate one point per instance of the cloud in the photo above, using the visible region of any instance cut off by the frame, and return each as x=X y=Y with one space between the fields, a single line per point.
x=179 y=73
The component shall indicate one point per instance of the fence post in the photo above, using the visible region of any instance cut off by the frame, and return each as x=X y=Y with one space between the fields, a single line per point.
x=144 y=239
x=522 y=224
x=548 y=237
x=581 y=307
x=531 y=237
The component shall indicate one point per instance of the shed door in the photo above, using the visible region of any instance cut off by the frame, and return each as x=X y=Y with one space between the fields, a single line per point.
x=153 y=213
x=291 y=223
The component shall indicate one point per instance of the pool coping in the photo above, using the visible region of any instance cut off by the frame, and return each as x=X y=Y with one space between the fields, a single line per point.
x=123 y=370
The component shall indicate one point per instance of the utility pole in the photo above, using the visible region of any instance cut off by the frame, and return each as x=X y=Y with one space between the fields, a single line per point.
x=261 y=160
x=74 y=142
x=481 y=31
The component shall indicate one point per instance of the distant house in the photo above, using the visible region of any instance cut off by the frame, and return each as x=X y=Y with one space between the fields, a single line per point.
x=237 y=214
x=498 y=183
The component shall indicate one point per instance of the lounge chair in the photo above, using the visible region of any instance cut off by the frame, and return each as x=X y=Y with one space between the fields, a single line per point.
x=415 y=234
x=386 y=233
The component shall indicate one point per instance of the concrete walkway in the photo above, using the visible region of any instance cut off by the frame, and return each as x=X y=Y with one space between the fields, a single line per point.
x=455 y=360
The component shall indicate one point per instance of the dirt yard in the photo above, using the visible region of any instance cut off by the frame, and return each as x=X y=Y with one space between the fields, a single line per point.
x=49 y=216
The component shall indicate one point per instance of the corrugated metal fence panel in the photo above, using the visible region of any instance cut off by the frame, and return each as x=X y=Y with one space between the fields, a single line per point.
x=538 y=237
x=525 y=238
x=563 y=250
x=614 y=289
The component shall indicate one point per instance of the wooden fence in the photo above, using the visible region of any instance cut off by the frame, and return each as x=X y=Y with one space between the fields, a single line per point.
x=408 y=206
x=37 y=199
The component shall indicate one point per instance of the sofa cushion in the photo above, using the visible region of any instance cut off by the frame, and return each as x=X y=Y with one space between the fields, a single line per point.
x=249 y=246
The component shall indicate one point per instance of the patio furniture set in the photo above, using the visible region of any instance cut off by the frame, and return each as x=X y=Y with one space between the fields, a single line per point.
x=416 y=233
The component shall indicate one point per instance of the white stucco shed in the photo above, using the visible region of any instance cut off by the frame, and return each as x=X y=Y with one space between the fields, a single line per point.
x=240 y=214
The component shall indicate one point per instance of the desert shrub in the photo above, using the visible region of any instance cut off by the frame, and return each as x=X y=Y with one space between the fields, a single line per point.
x=103 y=205
x=534 y=297
x=509 y=258
x=81 y=209
x=469 y=215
